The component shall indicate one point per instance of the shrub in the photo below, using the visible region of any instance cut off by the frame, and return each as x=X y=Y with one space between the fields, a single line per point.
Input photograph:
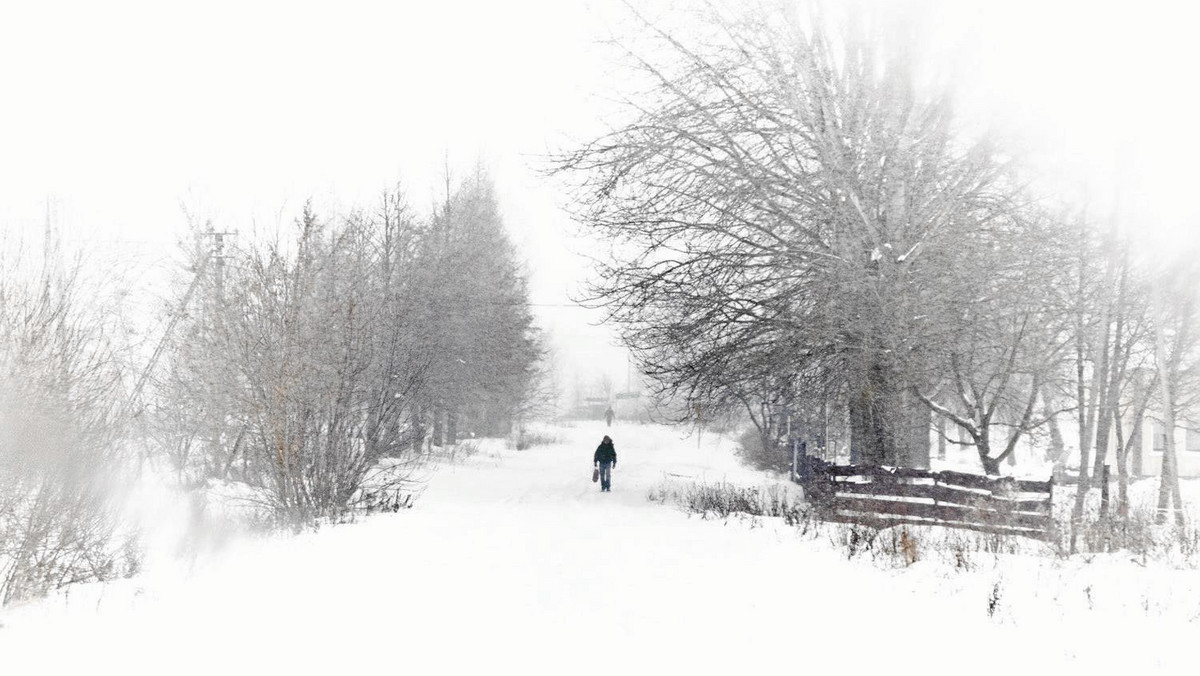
x=527 y=438
x=61 y=406
x=453 y=453
x=390 y=486
x=1135 y=533
x=759 y=455
x=723 y=500
x=298 y=360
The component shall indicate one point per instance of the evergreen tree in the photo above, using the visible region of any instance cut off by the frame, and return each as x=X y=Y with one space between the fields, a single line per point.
x=480 y=334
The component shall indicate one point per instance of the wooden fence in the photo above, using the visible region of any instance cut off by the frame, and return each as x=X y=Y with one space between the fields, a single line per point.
x=886 y=496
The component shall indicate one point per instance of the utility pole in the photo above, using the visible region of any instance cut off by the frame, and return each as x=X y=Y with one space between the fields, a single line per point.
x=51 y=242
x=217 y=253
x=446 y=213
x=792 y=443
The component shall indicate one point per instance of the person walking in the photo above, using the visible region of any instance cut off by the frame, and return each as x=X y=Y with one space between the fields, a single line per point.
x=609 y=415
x=605 y=460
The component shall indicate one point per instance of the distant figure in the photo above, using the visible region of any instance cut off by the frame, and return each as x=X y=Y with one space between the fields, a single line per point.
x=608 y=417
x=605 y=460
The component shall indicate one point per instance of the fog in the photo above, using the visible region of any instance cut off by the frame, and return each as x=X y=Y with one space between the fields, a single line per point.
x=120 y=118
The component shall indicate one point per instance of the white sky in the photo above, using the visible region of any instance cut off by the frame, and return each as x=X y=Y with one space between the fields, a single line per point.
x=119 y=112
x=1097 y=94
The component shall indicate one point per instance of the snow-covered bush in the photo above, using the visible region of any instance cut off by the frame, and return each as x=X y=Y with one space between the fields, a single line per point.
x=723 y=500
x=60 y=435
x=389 y=486
x=293 y=374
x=1136 y=532
x=526 y=437
x=763 y=454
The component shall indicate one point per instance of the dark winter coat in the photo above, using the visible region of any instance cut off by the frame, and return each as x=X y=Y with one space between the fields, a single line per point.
x=606 y=453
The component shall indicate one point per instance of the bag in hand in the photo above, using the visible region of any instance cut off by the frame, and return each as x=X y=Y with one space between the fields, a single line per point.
x=595 y=475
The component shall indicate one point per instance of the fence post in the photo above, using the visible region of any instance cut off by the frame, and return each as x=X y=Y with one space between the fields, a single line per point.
x=1104 y=493
x=795 y=458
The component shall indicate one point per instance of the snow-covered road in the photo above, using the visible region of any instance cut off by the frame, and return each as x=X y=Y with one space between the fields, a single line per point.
x=514 y=562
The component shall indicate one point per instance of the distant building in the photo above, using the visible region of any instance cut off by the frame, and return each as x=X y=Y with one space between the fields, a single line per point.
x=630 y=407
x=1146 y=456
x=589 y=408
x=1148 y=440
x=627 y=407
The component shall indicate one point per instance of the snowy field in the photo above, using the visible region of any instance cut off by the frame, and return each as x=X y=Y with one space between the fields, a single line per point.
x=514 y=562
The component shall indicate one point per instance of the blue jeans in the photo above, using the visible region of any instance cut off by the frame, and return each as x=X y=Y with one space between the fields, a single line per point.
x=605 y=476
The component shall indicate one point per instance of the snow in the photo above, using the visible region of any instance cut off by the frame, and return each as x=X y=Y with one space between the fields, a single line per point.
x=514 y=562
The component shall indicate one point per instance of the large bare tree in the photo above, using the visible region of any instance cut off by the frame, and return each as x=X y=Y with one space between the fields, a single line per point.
x=786 y=202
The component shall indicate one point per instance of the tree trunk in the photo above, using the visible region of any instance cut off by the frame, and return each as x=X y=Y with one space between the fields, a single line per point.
x=417 y=434
x=823 y=443
x=889 y=425
x=869 y=442
x=1136 y=443
x=436 y=435
x=1080 y=353
x=991 y=466
x=1103 y=432
x=1102 y=476
x=1168 y=487
x=1122 y=467
x=941 y=434
x=1056 y=452
x=1096 y=399
x=1111 y=369
x=917 y=419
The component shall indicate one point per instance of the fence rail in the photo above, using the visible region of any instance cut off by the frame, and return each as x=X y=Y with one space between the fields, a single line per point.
x=887 y=496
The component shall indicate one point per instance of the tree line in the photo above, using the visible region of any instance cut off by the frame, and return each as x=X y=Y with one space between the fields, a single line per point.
x=308 y=366
x=305 y=360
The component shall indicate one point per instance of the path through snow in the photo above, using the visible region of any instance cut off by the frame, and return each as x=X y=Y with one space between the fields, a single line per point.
x=514 y=562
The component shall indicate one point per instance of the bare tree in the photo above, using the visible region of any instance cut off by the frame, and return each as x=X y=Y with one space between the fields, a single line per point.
x=295 y=363
x=312 y=357
x=1175 y=345
x=61 y=419
x=785 y=202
